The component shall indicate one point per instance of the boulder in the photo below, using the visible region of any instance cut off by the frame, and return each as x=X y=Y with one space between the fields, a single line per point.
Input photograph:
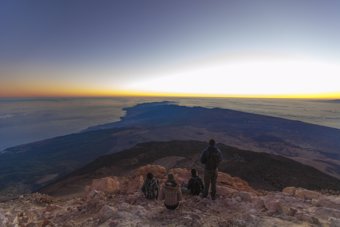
x=130 y=185
x=225 y=191
x=157 y=170
x=106 y=184
x=181 y=175
x=233 y=182
x=288 y=210
x=105 y=213
x=289 y=191
x=245 y=196
x=334 y=222
x=308 y=218
x=326 y=202
x=306 y=194
x=258 y=204
x=272 y=205
x=327 y=212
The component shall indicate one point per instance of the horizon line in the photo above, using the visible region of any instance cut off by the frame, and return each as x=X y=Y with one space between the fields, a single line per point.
x=164 y=95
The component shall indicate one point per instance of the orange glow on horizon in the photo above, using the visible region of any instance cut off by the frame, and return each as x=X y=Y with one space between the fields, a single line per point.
x=83 y=92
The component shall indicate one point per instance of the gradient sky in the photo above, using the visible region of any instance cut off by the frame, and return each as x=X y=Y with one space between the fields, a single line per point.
x=239 y=48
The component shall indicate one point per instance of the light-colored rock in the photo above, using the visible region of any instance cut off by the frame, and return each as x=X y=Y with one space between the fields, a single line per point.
x=258 y=204
x=327 y=202
x=225 y=191
x=288 y=210
x=94 y=195
x=289 y=191
x=130 y=185
x=106 y=184
x=324 y=212
x=334 y=222
x=157 y=170
x=272 y=205
x=245 y=196
x=233 y=182
x=3 y=218
x=181 y=175
x=238 y=204
x=306 y=194
x=105 y=213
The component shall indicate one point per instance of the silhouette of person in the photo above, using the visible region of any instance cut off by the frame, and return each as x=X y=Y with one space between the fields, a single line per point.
x=195 y=184
x=211 y=157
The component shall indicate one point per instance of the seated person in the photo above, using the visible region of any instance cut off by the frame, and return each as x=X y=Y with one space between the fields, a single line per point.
x=195 y=184
x=171 y=193
x=150 y=187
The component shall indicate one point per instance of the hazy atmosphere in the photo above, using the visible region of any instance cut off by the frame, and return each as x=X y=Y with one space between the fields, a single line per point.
x=185 y=48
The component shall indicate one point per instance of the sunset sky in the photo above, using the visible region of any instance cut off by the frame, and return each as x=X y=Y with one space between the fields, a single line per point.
x=233 y=48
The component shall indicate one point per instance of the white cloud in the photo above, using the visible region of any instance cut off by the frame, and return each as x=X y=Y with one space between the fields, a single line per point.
x=247 y=77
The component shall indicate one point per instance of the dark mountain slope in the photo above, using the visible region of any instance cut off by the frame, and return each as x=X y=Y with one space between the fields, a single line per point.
x=261 y=170
x=231 y=121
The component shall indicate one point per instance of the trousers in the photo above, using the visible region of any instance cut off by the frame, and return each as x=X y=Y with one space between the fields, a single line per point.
x=210 y=177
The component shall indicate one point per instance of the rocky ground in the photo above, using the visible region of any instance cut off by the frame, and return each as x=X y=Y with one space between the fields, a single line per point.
x=117 y=201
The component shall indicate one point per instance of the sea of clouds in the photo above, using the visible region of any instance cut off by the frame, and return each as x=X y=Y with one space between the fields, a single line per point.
x=28 y=120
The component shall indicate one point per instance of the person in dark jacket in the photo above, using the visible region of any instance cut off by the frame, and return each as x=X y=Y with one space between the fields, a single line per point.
x=171 y=193
x=150 y=187
x=195 y=184
x=211 y=157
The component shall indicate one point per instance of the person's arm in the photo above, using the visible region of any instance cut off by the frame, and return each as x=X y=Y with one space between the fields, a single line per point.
x=220 y=155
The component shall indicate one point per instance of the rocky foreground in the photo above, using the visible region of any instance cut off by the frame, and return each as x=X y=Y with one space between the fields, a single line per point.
x=117 y=201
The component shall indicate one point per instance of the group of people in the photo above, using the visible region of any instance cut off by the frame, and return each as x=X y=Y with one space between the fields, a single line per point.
x=171 y=191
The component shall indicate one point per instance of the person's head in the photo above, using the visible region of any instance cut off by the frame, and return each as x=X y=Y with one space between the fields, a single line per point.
x=149 y=176
x=171 y=177
x=212 y=142
x=193 y=172
x=171 y=180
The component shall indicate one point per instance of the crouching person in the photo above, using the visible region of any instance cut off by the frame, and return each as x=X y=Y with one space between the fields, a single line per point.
x=171 y=193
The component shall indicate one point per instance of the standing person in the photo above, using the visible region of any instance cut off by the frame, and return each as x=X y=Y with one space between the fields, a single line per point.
x=171 y=193
x=150 y=187
x=211 y=158
x=195 y=184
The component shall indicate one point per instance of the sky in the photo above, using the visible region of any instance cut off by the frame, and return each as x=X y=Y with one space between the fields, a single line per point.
x=232 y=48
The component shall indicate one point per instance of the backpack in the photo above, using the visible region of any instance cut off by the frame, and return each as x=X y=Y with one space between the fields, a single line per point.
x=151 y=189
x=196 y=185
x=213 y=158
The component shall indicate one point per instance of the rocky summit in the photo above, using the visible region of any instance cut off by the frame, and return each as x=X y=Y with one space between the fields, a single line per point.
x=118 y=201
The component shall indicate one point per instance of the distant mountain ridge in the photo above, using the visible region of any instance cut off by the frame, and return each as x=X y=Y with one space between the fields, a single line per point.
x=31 y=166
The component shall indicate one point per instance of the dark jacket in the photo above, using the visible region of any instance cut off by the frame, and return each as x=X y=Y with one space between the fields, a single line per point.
x=193 y=188
x=211 y=158
x=150 y=188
